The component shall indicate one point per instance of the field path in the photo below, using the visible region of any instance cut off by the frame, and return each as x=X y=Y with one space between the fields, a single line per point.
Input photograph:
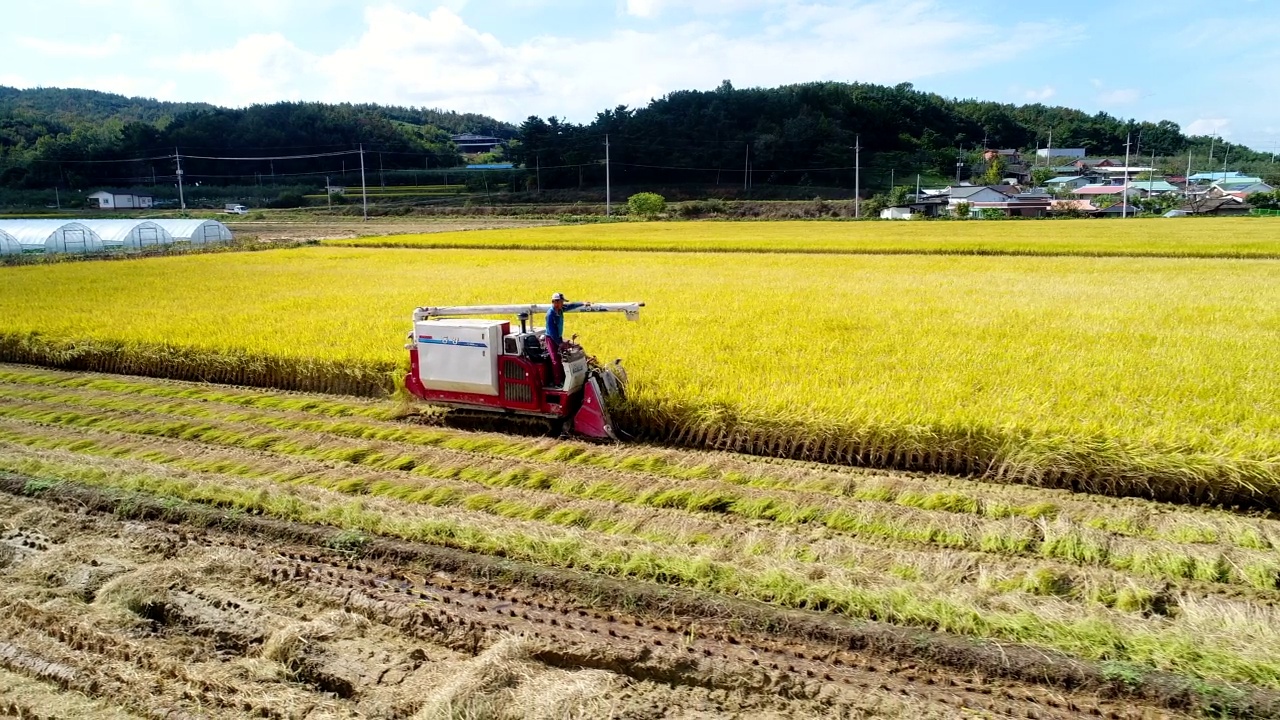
x=239 y=552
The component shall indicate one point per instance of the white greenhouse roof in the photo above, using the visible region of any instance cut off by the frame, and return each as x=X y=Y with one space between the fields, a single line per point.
x=130 y=233
x=9 y=245
x=50 y=235
x=196 y=231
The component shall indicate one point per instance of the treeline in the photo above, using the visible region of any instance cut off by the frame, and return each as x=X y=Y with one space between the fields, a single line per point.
x=810 y=134
x=78 y=138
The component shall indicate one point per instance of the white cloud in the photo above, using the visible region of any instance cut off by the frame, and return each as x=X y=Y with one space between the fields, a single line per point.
x=109 y=46
x=1040 y=95
x=1119 y=96
x=439 y=60
x=258 y=68
x=643 y=8
x=1209 y=126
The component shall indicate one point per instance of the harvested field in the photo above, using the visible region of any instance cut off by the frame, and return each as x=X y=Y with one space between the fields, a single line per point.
x=239 y=552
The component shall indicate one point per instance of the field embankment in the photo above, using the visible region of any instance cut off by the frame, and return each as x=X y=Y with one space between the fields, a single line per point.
x=781 y=586
x=1123 y=376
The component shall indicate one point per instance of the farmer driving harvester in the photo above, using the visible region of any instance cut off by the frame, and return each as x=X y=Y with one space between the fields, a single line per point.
x=554 y=337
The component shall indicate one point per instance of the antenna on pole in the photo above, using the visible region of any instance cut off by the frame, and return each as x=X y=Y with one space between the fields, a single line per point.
x=857 y=175
x=182 y=203
x=364 y=189
x=608 y=191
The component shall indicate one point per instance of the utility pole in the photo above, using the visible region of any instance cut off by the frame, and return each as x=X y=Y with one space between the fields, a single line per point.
x=182 y=203
x=1186 y=187
x=917 y=187
x=1124 y=189
x=892 y=175
x=538 y=176
x=57 y=199
x=382 y=180
x=364 y=190
x=1048 y=153
x=608 y=190
x=857 y=175
x=1211 y=139
x=746 y=163
x=328 y=191
x=1151 y=176
x=959 y=163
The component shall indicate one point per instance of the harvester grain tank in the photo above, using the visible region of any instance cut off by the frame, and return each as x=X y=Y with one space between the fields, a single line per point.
x=487 y=366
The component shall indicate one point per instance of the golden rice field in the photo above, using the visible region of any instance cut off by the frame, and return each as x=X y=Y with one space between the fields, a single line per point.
x=1123 y=375
x=1159 y=237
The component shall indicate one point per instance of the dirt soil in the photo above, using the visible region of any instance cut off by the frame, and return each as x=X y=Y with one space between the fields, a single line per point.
x=333 y=229
x=105 y=617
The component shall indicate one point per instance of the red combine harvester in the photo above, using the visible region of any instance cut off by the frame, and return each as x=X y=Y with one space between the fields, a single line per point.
x=481 y=365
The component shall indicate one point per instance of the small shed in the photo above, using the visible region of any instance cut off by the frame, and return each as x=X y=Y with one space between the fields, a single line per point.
x=897 y=212
x=118 y=200
x=52 y=236
x=129 y=234
x=9 y=245
x=196 y=232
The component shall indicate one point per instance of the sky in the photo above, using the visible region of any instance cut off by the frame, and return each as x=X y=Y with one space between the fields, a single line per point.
x=1210 y=67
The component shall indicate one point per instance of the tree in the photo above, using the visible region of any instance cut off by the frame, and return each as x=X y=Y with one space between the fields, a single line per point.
x=646 y=204
x=1041 y=175
x=961 y=210
x=995 y=172
x=1266 y=200
x=898 y=196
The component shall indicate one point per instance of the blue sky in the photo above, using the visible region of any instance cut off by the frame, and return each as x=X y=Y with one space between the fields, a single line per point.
x=1208 y=66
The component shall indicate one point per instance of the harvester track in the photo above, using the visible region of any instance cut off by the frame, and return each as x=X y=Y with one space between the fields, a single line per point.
x=707 y=660
x=151 y=522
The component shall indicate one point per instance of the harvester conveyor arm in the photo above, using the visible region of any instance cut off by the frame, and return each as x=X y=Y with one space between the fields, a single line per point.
x=632 y=310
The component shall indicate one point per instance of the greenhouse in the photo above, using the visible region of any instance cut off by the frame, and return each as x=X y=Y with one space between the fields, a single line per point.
x=9 y=245
x=196 y=232
x=129 y=234
x=52 y=236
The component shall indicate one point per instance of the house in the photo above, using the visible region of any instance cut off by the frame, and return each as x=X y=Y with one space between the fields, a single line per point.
x=1074 y=168
x=1047 y=153
x=1067 y=183
x=1152 y=187
x=470 y=143
x=1009 y=155
x=491 y=166
x=1235 y=183
x=1209 y=177
x=118 y=200
x=1117 y=210
x=897 y=212
x=1070 y=206
x=1227 y=205
x=979 y=194
x=1093 y=191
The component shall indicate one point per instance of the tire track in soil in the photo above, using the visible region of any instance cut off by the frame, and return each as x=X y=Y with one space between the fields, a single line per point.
x=467 y=614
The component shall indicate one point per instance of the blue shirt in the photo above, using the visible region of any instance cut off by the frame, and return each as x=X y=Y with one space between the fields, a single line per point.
x=555 y=321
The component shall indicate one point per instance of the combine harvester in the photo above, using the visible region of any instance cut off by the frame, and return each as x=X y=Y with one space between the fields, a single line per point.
x=481 y=366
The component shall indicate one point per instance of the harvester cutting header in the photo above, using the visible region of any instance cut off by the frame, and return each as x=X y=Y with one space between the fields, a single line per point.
x=483 y=365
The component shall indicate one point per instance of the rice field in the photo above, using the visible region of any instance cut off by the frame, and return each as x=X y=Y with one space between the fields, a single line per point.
x=1244 y=237
x=1141 y=376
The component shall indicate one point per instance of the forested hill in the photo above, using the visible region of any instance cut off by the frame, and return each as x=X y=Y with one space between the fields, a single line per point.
x=71 y=138
x=73 y=106
x=798 y=133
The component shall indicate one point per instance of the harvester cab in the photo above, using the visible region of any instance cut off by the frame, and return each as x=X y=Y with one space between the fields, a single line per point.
x=485 y=365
